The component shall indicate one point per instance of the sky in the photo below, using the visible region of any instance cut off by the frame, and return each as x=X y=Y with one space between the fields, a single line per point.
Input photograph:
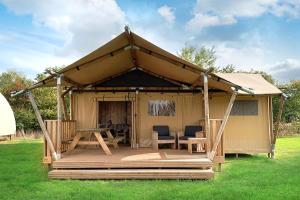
x=256 y=34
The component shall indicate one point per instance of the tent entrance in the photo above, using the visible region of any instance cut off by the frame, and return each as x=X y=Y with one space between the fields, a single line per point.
x=118 y=117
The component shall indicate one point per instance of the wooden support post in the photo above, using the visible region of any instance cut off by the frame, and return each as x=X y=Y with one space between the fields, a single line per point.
x=132 y=124
x=206 y=112
x=71 y=105
x=222 y=127
x=276 y=131
x=136 y=120
x=59 y=116
x=64 y=105
x=42 y=125
x=65 y=112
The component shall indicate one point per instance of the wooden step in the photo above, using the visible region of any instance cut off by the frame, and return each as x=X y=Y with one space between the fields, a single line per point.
x=132 y=174
x=199 y=164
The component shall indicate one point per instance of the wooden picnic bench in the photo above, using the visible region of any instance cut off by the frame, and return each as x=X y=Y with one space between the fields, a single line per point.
x=88 y=132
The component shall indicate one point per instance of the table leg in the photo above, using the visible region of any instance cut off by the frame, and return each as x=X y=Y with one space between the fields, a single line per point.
x=190 y=147
x=102 y=143
x=75 y=141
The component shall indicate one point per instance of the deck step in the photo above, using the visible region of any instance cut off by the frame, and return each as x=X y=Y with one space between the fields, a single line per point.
x=132 y=174
x=203 y=163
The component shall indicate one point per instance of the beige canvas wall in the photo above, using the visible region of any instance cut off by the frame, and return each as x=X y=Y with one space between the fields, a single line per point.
x=188 y=111
x=244 y=134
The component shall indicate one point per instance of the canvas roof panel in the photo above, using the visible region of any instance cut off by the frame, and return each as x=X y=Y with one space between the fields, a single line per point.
x=119 y=55
x=254 y=82
x=101 y=69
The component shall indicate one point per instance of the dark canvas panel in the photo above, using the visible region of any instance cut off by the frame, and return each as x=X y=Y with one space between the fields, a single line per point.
x=136 y=78
x=245 y=107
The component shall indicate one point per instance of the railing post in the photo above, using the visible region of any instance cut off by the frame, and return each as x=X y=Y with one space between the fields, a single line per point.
x=59 y=117
x=206 y=112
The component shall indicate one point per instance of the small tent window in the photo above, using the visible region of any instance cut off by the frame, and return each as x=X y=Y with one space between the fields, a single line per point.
x=161 y=108
x=245 y=107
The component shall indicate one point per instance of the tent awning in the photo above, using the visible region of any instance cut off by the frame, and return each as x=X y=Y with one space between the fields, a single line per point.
x=255 y=82
x=128 y=51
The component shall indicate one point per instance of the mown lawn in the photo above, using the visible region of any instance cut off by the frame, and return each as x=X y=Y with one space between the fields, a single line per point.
x=22 y=176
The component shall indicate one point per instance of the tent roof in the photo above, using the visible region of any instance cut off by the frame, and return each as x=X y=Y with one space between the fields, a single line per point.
x=255 y=82
x=127 y=52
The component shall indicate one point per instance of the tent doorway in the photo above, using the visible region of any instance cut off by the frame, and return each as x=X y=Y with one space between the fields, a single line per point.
x=118 y=117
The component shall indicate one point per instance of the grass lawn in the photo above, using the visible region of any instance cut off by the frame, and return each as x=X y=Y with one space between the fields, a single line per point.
x=22 y=176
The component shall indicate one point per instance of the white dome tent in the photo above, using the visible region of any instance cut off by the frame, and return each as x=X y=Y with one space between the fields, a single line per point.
x=7 y=118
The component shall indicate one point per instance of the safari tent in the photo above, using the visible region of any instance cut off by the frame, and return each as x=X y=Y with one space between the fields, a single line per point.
x=7 y=118
x=137 y=111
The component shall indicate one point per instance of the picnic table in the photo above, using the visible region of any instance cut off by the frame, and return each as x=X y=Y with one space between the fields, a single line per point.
x=81 y=133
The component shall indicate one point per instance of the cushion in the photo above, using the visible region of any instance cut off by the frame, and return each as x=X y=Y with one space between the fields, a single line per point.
x=166 y=137
x=190 y=131
x=184 y=138
x=162 y=130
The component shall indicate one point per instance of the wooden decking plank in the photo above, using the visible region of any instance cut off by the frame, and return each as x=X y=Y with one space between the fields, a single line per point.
x=132 y=158
x=132 y=174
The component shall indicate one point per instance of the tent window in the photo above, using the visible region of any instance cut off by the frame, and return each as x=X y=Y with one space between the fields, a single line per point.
x=245 y=107
x=161 y=108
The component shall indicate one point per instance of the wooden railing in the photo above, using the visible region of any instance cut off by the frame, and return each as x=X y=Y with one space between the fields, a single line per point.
x=68 y=129
x=215 y=125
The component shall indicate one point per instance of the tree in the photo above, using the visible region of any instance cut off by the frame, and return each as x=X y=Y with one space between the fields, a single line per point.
x=292 y=103
x=227 y=69
x=13 y=81
x=45 y=97
x=203 y=57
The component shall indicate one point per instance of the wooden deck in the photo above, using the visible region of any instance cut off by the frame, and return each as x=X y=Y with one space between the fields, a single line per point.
x=126 y=157
x=128 y=163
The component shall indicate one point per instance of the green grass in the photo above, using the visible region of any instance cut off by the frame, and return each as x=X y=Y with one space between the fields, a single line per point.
x=22 y=176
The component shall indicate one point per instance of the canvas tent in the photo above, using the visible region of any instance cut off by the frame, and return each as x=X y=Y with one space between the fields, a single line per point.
x=125 y=82
x=7 y=118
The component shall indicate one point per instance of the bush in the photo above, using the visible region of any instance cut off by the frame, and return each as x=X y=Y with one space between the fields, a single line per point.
x=292 y=128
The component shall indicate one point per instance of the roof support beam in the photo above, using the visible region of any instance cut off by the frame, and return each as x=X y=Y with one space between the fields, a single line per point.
x=131 y=43
x=109 y=78
x=101 y=57
x=222 y=127
x=173 y=61
x=67 y=91
x=198 y=80
x=189 y=67
x=70 y=81
x=139 y=68
x=42 y=125
x=140 y=90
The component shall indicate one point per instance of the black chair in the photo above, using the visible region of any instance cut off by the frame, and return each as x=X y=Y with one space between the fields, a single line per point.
x=162 y=135
x=193 y=131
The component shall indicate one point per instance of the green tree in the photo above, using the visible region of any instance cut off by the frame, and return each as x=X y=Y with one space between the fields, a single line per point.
x=227 y=69
x=45 y=98
x=202 y=57
x=13 y=81
x=292 y=103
